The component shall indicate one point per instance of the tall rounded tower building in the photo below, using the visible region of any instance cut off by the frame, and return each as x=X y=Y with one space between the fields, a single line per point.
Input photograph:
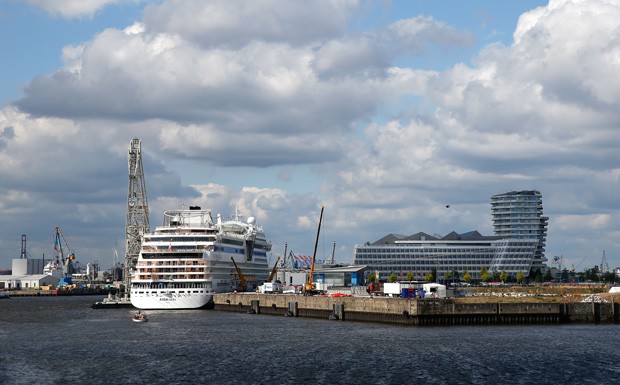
x=519 y=215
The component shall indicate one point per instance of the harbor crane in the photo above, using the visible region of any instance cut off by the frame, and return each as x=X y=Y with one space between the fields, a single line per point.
x=273 y=271
x=331 y=259
x=309 y=287
x=66 y=262
x=137 y=211
x=242 y=282
x=575 y=267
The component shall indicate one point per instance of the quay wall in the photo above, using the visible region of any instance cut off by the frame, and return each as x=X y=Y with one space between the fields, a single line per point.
x=422 y=312
x=31 y=293
x=55 y=292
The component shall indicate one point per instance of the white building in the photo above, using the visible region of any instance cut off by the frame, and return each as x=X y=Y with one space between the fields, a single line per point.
x=23 y=266
x=26 y=275
x=27 y=281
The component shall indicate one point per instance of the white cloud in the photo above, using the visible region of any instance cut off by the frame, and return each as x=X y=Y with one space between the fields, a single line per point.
x=578 y=222
x=416 y=34
x=225 y=23
x=74 y=8
x=226 y=84
x=274 y=90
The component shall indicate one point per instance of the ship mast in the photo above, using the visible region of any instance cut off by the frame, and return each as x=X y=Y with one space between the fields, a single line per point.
x=137 y=211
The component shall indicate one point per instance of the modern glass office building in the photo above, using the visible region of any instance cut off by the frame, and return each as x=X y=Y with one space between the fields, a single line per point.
x=519 y=215
x=420 y=253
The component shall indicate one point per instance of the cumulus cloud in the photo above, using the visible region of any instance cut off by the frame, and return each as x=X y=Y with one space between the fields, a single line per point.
x=274 y=85
x=229 y=24
x=277 y=87
x=60 y=172
x=74 y=8
x=418 y=33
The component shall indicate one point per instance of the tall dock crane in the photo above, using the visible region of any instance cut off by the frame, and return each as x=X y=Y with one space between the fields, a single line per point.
x=67 y=262
x=137 y=211
x=309 y=287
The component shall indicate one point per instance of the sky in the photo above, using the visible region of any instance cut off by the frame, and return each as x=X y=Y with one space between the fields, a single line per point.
x=384 y=112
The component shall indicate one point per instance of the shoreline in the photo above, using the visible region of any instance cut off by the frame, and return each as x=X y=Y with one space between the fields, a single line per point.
x=54 y=292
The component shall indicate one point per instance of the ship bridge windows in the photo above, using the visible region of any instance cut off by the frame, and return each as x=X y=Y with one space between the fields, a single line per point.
x=236 y=242
x=231 y=250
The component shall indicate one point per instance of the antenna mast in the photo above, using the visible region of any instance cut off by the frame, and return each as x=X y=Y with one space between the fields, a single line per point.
x=137 y=211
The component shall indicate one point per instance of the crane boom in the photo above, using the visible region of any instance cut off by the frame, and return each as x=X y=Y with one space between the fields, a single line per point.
x=273 y=271
x=67 y=263
x=59 y=237
x=309 y=287
x=243 y=284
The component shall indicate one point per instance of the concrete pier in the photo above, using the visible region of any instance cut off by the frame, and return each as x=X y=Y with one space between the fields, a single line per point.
x=113 y=302
x=421 y=312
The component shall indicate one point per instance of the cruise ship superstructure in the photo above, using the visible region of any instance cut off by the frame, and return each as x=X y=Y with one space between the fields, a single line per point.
x=182 y=263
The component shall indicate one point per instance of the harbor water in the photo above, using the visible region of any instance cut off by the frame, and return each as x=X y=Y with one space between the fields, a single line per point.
x=61 y=340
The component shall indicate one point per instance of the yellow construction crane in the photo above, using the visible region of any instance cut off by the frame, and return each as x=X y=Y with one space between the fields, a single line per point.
x=309 y=287
x=242 y=283
x=273 y=271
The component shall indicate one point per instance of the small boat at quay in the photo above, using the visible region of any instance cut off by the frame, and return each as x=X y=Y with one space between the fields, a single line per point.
x=139 y=317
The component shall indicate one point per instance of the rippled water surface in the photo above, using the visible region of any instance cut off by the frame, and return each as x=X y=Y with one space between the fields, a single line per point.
x=63 y=341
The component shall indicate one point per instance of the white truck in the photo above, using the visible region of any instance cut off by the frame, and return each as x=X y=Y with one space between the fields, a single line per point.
x=395 y=289
x=270 y=288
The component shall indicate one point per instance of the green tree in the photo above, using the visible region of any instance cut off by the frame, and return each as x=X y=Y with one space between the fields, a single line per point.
x=609 y=277
x=538 y=276
x=428 y=277
x=372 y=278
x=503 y=276
x=520 y=277
x=591 y=275
x=484 y=274
x=466 y=276
x=495 y=276
x=434 y=273
x=392 y=278
x=410 y=276
x=447 y=275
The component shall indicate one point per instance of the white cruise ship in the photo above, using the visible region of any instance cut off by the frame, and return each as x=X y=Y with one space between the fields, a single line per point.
x=182 y=263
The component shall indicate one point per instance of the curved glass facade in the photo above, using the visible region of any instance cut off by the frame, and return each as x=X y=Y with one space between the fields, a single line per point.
x=469 y=252
x=519 y=215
